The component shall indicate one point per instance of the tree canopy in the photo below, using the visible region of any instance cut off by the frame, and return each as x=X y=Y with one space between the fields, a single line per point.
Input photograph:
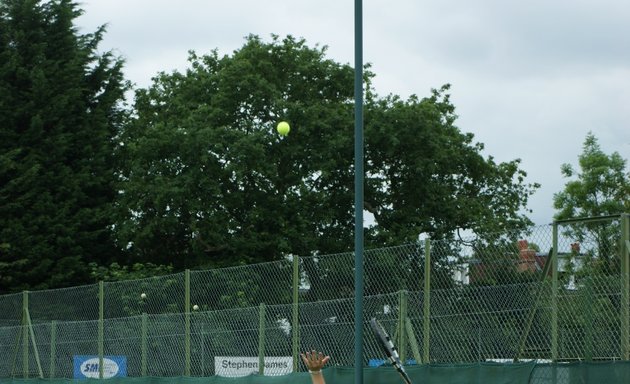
x=206 y=180
x=425 y=175
x=195 y=175
x=59 y=111
x=600 y=187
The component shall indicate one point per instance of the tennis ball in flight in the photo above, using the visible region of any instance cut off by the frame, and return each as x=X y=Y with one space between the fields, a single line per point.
x=283 y=128
x=143 y=295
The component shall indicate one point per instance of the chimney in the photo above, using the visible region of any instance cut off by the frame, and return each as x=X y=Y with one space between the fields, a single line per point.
x=575 y=248
x=527 y=257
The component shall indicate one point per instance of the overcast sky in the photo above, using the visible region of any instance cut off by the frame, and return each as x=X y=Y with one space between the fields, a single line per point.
x=529 y=78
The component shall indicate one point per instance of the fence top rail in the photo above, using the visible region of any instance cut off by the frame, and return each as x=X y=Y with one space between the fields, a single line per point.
x=590 y=219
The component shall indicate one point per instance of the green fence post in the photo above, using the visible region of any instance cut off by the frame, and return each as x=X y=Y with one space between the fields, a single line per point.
x=53 y=348
x=624 y=250
x=25 y=334
x=554 y=295
x=402 y=315
x=532 y=312
x=295 y=325
x=261 y=339
x=101 y=328
x=589 y=318
x=34 y=343
x=411 y=334
x=143 y=361
x=187 y=322
x=426 y=312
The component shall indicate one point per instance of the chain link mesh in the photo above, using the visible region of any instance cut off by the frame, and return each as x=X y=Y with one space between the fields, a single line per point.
x=11 y=309
x=243 y=286
x=72 y=304
x=490 y=299
x=154 y=295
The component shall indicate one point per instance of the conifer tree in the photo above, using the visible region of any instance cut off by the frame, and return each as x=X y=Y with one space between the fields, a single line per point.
x=60 y=110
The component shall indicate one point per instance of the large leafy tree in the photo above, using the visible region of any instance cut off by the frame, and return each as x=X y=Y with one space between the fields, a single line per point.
x=425 y=175
x=208 y=181
x=59 y=112
x=600 y=187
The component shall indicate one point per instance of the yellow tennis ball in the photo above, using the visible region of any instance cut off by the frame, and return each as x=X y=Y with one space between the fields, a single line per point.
x=283 y=128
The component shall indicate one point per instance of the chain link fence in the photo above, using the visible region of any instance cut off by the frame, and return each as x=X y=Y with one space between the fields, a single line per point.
x=552 y=294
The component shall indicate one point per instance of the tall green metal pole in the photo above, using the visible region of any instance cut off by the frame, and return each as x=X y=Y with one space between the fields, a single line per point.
x=358 y=191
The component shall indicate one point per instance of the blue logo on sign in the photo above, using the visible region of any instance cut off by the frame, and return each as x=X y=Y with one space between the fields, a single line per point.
x=87 y=367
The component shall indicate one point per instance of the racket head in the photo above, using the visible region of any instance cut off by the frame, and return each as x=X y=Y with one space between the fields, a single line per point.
x=388 y=347
x=384 y=341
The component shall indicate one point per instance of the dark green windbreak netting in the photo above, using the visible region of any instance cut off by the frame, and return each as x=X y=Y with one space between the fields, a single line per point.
x=481 y=373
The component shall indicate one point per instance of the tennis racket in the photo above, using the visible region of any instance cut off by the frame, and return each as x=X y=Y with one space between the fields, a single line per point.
x=390 y=350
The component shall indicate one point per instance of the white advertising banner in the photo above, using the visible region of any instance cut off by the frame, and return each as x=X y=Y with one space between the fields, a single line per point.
x=239 y=366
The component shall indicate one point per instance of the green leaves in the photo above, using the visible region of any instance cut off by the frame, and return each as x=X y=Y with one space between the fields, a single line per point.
x=199 y=175
x=59 y=112
x=425 y=175
x=208 y=181
x=600 y=188
x=206 y=176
